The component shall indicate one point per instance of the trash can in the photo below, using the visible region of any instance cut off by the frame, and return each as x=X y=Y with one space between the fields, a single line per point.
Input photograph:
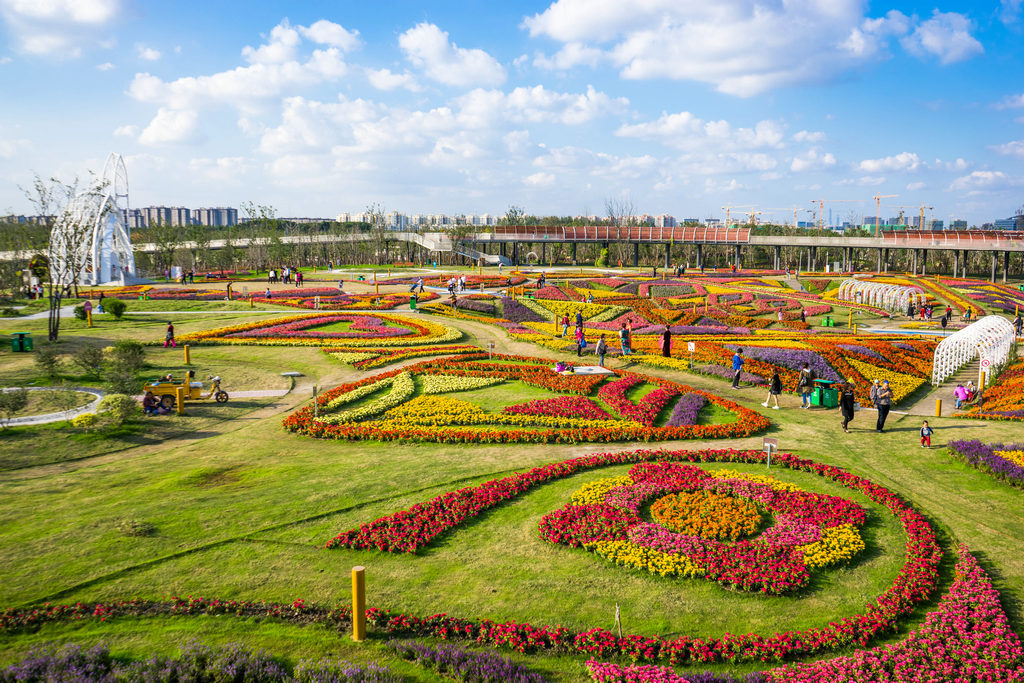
x=412 y=303
x=824 y=394
x=26 y=343
x=21 y=341
x=15 y=343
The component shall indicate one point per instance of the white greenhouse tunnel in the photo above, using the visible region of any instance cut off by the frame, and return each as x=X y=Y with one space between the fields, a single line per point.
x=894 y=298
x=991 y=338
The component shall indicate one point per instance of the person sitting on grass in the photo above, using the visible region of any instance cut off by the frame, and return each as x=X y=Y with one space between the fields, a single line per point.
x=150 y=404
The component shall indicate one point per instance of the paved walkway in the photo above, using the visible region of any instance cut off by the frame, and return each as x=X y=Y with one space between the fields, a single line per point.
x=56 y=417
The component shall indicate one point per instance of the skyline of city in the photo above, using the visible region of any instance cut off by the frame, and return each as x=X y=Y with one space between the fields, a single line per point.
x=554 y=107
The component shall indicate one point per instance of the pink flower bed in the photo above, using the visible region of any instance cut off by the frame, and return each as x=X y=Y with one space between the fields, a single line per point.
x=563 y=406
x=646 y=410
x=362 y=327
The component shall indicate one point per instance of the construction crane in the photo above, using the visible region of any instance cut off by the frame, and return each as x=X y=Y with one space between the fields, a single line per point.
x=752 y=214
x=923 y=207
x=821 y=208
x=729 y=207
x=794 y=209
x=878 y=201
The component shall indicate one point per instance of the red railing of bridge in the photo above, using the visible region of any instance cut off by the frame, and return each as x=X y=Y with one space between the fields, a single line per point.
x=608 y=233
x=953 y=238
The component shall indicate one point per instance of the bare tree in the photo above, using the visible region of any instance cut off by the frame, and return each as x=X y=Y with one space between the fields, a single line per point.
x=70 y=212
x=378 y=230
x=514 y=216
x=621 y=212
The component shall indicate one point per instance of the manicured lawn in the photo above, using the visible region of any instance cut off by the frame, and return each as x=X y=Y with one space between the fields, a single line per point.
x=241 y=509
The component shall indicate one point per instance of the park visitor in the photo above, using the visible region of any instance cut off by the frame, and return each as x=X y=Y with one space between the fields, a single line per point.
x=926 y=435
x=565 y=324
x=666 y=343
x=846 y=404
x=884 y=403
x=960 y=394
x=806 y=383
x=601 y=350
x=581 y=341
x=774 y=389
x=737 y=368
x=169 y=337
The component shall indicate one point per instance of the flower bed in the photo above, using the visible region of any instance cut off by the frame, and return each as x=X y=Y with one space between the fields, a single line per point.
x=1003 y=461
x=366 y=358
x=417 y=527
x=299 y=330
x=1004 y=399
x=566 y=419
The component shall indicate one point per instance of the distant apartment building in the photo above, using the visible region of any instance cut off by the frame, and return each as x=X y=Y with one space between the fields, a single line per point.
x=24 y=219
x=180 y=216
x=665 y=221
x=958 y=224
x=1010 y=223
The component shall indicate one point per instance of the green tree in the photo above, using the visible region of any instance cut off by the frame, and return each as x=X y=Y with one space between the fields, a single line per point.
x=12 y=401
x=90 y=360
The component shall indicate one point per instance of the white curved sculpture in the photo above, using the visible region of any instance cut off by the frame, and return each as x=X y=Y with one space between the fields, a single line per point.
x=894 y=298
x=96 y=233
x=991 y=337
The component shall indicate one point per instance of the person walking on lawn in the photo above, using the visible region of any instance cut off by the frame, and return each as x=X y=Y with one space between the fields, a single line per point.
x=806 y=383
x=846 y=404
x=926 y=435
x=884 y=403
x=601 y=349
x=169 y=337
x=666 y=343
x=737 y=368
x=774 y=389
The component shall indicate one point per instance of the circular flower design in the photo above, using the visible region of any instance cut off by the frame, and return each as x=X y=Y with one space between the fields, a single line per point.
x=701 y=518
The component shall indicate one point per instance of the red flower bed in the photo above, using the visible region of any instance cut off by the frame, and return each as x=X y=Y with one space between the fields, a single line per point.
x=563 y=406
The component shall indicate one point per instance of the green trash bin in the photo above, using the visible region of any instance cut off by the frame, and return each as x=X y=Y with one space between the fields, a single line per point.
x=21 y=341
x=26 y=343
x=824 y=394
x=412 y=304
x=15 y=343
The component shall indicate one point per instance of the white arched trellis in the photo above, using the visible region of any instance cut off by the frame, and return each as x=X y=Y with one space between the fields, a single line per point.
x=890 y=297
x=991 y=337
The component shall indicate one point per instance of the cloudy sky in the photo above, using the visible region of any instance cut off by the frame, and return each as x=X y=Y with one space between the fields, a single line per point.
x=679 y=106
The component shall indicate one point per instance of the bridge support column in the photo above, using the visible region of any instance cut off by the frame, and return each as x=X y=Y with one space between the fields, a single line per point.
x=914 y=261
x=879 y=268
x=574 y=253
x=1006 y=265
x=885 y=261
x=668 y=255
x=515 y=254
x=924 y=262
x=501 y=247
x=963 y=263
x=543 y=252
x=814 y=259
x=776 y=257
x=736 y=256
x=992 y=277
x=956 y=262
x=636 y=254
x=700 y=255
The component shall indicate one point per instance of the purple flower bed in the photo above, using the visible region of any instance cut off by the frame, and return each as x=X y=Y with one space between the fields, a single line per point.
x=792 y=359
x=476 y=305
x=686 y=410
x=983 y=456
x=451 y=661
x=708 y=329
x=197 y=662
x=726 y=373
x=710 y=322
x=857 y=348
x=515 y=312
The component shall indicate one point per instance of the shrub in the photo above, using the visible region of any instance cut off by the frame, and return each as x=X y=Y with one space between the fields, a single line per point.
x=79 y=312
x=118 y=408
x=48 y=361
x=602 y=260
x=11 y=401
x=128 y=354
x=90 y=360
x=115 y=307
x=86 y=421
x=135 y=527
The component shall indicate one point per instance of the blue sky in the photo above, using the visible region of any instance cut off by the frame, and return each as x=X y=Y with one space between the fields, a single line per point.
x=677 y=106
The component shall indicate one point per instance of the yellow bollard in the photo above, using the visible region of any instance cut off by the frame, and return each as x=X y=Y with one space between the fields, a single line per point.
x=229 y=291
x=375 y=276
x=358 y=603
x=250 y=301
x=188 y=360
x=179 y=395
x=376 y=288
x=855 y=328
x=938 y=407
x=88 y=317
x=981 y=379
x=389 y=272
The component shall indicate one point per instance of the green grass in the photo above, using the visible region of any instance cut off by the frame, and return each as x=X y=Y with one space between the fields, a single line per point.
x=43 y=402
x=241 y=509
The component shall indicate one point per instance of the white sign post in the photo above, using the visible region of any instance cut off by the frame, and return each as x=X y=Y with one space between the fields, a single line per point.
x=769 y=446
x=691 y=347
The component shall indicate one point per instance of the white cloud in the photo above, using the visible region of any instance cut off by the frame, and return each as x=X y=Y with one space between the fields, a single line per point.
x=126 y=131
x=171 y=126
x=711 y=42
x=105 y=66
x=914 y=187
x=1009 y=11
x=328 y=33
x=904 y=161
x=11 y=148
x=1015 y=148
x=812 y=160
x=5 y=60
x=428 y=48
x=539 y=179
x=984 y=181
x=536 y=105
x=958 y=165
x=947 y=35
x=1011 y=102
x=863 y=181
x=809 y=136
x=58 y=28
x=385 y=79
x=572 y=54
x=717 y=187
x=147 y=53
x=225 y=170
x=686 y=131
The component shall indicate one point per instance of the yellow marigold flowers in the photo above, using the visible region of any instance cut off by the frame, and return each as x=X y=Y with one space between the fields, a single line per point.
x=837 y=545
x=626 y=554
x=755 y=478
x=593 y=492
x=707 y=514
x=1013 y=456
x=441 y=384
x=402 y=387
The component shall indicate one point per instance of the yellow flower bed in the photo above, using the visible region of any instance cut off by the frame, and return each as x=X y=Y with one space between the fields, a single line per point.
x=1013 y=456
x=402 y=387
x=755 y=478
x=351 y=356
x=837 y=545
x=707 y=514
x=442 y=384
x=593 y=492
x=569 y=308
x=901 y=385
x=634 y=556
x=661 y=361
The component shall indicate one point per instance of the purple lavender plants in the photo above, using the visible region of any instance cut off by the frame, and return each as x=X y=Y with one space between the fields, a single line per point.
x=686 y=410
x=461 y=664
x=516 y=312
x=983 y=456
